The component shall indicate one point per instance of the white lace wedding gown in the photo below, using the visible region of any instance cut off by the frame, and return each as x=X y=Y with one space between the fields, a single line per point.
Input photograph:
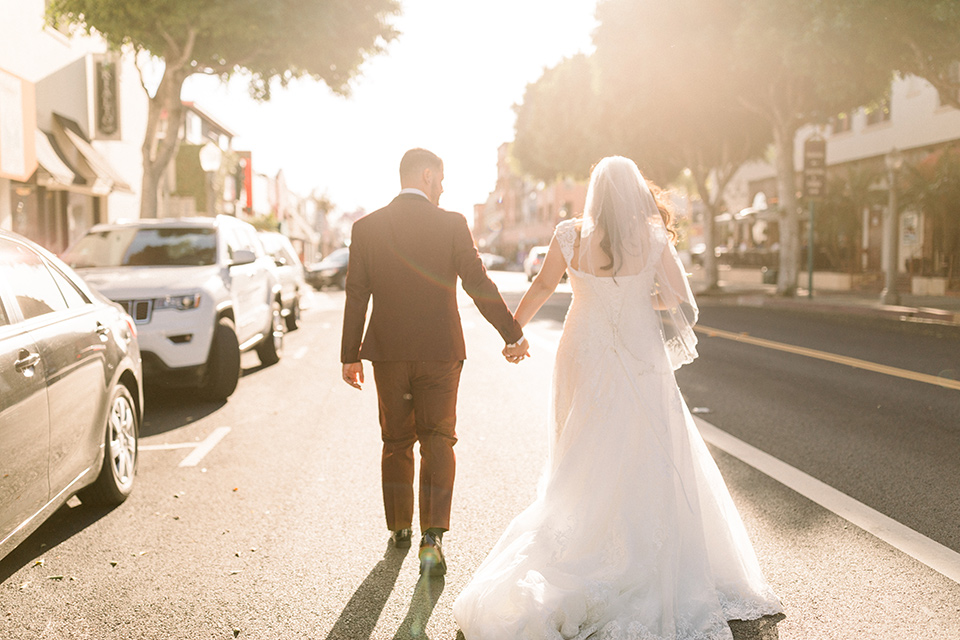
x=633 y=534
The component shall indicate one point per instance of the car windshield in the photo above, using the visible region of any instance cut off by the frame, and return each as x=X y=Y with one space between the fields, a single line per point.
x=340 y=256
x=144 y=247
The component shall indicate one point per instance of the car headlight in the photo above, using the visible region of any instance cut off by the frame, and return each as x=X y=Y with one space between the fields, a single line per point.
x=180 y=303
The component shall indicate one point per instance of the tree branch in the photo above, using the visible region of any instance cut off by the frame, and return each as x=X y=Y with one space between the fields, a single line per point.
x=137 y=50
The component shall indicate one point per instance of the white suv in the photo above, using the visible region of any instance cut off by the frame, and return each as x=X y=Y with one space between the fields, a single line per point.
x=201 y=290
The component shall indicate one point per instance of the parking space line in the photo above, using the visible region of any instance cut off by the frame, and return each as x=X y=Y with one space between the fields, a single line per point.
x=166 y=447
x=938 y=557
x=203 y=448
x=302 y=351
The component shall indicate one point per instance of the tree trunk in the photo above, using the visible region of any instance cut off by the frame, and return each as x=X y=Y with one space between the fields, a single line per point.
x=709 y=230
x=783 y=135
x=164 y=116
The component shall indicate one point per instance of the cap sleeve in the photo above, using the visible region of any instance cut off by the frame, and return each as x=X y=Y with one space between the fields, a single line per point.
x=567 y=234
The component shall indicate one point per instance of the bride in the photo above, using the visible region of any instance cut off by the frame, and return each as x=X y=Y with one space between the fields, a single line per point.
x=633 y=534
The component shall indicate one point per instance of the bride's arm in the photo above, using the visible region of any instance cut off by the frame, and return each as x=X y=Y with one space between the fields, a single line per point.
x=543 y=285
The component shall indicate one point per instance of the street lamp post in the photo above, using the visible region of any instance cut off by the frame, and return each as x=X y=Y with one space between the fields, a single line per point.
x=889 y=295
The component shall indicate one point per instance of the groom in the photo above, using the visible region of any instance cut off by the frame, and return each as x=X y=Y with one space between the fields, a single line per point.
x=407 y=256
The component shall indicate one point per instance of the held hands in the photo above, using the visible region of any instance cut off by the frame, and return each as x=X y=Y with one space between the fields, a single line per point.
x=353 y=374
x=516 y=353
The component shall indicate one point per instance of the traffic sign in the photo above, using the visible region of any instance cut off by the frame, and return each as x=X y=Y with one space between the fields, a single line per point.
x=814 y=167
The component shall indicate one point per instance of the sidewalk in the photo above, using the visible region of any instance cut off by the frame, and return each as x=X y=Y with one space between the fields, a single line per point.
x=943 y=310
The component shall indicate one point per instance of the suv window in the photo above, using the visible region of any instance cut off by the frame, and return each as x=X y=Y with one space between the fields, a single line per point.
x=31 y=283
x=144 y=247
x=277 y=248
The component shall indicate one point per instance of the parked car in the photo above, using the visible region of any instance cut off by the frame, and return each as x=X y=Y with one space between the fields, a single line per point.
x=533 y=262
x=493 y=261
x=290 y=275
x=200 y=290
x=331 y=271
x=72 y=399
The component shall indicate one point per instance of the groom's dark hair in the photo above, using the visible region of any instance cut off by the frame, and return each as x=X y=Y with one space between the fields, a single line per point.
x=415 y=161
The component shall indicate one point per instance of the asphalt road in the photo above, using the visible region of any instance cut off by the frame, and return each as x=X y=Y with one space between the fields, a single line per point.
x=277 y=531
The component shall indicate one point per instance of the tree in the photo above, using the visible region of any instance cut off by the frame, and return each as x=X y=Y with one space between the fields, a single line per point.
x=922 y=36
x=669 y=98
x=556 y=129
x=798 y=62
x=934 y=187
x=839 y=216
x=272 y=40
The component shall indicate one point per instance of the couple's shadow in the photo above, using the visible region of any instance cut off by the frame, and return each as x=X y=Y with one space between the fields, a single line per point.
x=359 y=618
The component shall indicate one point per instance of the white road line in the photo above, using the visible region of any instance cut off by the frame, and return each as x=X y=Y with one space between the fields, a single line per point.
x=205 y=447
x=931 y=553
x=302 y=351
x=166 y=447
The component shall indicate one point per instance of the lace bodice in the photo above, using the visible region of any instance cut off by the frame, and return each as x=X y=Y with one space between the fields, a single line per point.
x=611 y=312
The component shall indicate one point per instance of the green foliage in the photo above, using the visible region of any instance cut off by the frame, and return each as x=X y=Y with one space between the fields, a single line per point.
x=919 y=37
x=933 y=186
x=266 y=222
x=800 y=61
x=556 y=128
x=839 y=218
x=667 y=85
x=271 y=39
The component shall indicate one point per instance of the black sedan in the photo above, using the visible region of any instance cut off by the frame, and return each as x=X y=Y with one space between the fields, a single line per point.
x=71 y=398
x=331 y=271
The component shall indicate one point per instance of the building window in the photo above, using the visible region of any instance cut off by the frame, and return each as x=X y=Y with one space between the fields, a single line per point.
x=841 y=122
x=879 y=112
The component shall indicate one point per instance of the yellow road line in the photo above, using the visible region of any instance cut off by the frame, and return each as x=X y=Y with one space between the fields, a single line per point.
x=831 y=357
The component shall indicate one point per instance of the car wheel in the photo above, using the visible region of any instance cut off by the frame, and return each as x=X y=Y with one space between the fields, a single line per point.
x=115 y=481
x=271 y=346
x=293 y=318
x=223 y=366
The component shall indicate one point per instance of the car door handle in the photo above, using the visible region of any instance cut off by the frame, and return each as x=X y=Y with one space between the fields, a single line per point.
x=26 y=362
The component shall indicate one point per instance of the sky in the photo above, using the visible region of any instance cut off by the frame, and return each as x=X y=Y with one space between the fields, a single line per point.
x=448 y=84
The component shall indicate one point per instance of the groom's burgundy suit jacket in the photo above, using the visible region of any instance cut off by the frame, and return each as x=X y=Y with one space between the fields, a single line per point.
x=407 y=256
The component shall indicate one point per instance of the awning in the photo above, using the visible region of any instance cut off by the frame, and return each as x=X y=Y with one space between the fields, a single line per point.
x=100 y=175
x=55 y=171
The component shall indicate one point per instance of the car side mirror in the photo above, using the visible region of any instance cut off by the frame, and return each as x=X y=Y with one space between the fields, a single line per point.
x=243 y=256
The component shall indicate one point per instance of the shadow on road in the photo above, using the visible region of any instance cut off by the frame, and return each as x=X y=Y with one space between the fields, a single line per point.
x=166 y=409
x=425 y=597
x=61 y=526
x=359 y=618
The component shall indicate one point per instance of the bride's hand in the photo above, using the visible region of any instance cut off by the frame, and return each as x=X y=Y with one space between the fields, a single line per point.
x=518 y=353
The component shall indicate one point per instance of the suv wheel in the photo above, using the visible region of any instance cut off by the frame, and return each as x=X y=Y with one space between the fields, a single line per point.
x=293 y=318
x=271 y=346
x=223 y=366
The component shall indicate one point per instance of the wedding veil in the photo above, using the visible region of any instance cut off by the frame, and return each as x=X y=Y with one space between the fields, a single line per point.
x=623 y=234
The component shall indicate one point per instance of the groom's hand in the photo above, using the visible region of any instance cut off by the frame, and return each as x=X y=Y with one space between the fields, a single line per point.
x=517 y=353
x=353 y=374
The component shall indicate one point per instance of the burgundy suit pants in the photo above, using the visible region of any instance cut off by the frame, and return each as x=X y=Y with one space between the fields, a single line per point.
x=418 y=403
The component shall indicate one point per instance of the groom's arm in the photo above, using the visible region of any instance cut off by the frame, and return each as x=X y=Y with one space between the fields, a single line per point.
x=479 y=286
x=357 y=299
